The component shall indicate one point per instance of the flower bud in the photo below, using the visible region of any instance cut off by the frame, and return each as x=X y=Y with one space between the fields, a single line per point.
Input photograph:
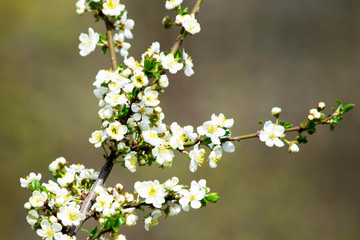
x=27 y=206
x=321 y=106
x=166 y=22
x=53 y=219
x=275 y=111
x=294 y=148
x=311 y=117
x=119 y=187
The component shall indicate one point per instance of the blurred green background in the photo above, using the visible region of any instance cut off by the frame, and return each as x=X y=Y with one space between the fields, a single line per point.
x=251 y=55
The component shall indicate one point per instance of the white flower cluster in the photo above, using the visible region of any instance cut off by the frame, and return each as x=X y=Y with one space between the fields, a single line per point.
x=131 y=115
x=212 y=132
x=111 y=8
x=188 y=21
x=170 y=191
x=54 y=206
x=273 y=133
x=111 y=202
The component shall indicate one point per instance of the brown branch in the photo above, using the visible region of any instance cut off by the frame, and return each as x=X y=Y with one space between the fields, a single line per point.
x=183 y=33
x=109 y=28
x=85 y=206
x=179 y=39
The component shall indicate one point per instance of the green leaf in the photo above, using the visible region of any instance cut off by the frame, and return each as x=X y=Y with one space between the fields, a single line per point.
x=107 y=223
x=212 y=197
x=261 y=122
x=339 y=103
x=348 y=107
x=282 y=123
x=178 y=55
x=104 y=49
x=35 y=185
x=332 y=127
x=288 y=125
x=43 y=189
x=85 y=230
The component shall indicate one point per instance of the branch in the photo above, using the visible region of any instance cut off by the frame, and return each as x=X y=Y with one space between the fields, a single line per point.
x=179 y=39
x=85 y=206
x=183 y=33
x=109 y=28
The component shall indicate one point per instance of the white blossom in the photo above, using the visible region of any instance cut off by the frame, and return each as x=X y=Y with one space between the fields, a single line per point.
x=170 y=63
x=56 y=164
x=68 y=178
x=188 y=64
x=212 y=130
x=88 y=42
x=38 y=199
x=150 y=97
x=271 y=134
x=151 y=137
x=131 y=220
x=97 y=138
x=152 y=220
x=70 y=214
x=164 y=81
x=170 y=4
x=48 y=230
x=116 y=131
x=28 y=180
x=32 y=217
x=139 y=79
x=228 y=146
x=131 y=161
x=197 y=157
x=222 y=121
x=163 y=153
x=215 y=156
x=112 y=7
x=189 y=22
x=81 y=6
x=153 y=192
x=193 y=196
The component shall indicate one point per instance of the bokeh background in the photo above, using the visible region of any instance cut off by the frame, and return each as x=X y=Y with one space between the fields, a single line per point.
x=251 y=55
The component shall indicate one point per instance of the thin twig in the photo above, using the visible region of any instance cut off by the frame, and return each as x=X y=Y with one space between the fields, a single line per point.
x=109 y=28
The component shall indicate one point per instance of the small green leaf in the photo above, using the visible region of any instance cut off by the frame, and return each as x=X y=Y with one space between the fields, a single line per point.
x=85 y=230
x=107 y=223
x=339 y=103
x=212 y=197
x=35 y=185
x=104 y=49
x=282 y=123
x=178 y=55
x=348 y=107
x=332 y=127
x=261 y=122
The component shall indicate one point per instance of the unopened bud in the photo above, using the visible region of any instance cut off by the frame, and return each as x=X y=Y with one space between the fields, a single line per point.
x=53 y=219
x=166 y=22
x=27 y=206
x=321 y=105
x=119 y=187
x=275 y=111
x=311 y=117
x=294 y=148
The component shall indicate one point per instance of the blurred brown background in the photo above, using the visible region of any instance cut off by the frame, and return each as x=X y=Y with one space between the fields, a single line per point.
x=251 y=55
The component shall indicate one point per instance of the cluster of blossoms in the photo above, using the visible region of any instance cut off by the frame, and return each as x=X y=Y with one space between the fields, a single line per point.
x=133 y=131
x=109 y=8
x=55 y=206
